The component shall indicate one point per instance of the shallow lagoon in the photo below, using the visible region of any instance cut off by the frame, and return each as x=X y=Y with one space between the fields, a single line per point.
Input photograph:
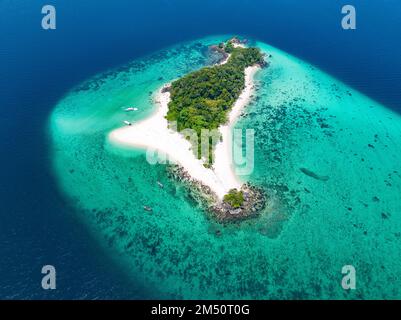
x=302 y=118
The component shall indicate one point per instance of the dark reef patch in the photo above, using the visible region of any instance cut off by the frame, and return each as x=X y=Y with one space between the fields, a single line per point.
x=313 y=174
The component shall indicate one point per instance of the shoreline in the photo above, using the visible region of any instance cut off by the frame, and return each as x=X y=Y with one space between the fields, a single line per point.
x=153 y=134
x=223 y=161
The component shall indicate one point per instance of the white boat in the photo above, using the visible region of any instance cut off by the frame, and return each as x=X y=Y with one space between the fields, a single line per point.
x=127 y=123
x=160 y=184
x=131 y=109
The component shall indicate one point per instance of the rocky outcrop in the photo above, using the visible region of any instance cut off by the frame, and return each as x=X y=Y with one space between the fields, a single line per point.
x=238 y=41
x=200 y=192
x=254 y=199
x=220 y=50
x=254 y=203
x=166 y=88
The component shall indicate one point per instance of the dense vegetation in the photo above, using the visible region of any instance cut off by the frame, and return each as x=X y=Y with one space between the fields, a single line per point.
x=202 y=99
x=234 y=198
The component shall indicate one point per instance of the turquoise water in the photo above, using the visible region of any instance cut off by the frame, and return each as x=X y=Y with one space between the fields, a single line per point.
x=302 y=118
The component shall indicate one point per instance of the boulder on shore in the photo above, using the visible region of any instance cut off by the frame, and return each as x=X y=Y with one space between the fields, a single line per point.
x=254 y=203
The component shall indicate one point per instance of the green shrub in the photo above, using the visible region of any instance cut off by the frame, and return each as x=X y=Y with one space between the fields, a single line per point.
x=234 y=198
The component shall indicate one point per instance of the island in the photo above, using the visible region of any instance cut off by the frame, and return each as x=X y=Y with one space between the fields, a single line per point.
x=191 y=130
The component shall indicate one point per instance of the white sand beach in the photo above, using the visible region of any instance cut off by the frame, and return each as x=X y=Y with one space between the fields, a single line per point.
x=153 y=134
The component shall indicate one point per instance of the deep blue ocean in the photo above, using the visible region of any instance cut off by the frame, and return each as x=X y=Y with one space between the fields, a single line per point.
x=38 y=67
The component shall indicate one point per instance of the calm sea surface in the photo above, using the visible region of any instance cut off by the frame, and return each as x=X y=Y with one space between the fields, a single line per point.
x=38 y=225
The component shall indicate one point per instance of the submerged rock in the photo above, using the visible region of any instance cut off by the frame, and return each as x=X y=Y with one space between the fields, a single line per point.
x=166 y=88
x=313 y=174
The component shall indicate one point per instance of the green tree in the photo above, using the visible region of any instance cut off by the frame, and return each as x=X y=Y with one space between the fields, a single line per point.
x=202 y=99
x=234 y=198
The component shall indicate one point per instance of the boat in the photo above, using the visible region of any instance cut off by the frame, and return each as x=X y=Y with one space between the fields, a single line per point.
x=131 y=109
x=127 y=123
x=160 y=184
x=147 y=208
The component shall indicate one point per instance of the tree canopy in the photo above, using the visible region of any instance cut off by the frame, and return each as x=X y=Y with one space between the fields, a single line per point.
x=234 y=198
x=203 y=99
